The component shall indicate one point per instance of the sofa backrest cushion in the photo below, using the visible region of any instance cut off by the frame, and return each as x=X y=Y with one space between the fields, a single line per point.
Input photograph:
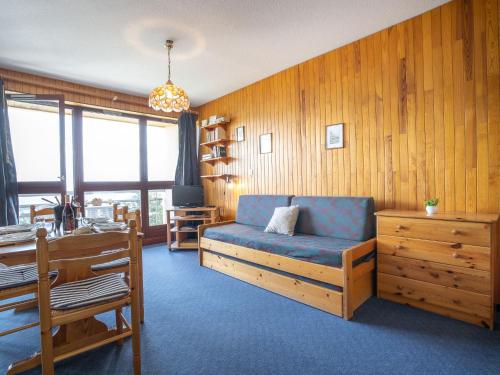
x=258 y=209
x=349 y=218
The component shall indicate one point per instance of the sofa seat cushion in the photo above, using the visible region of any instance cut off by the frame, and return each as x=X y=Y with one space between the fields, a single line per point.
x=350 y=218
x=314 y=249
x=257 y=210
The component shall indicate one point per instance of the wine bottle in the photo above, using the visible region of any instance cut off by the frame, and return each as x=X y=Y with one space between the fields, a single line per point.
x=68 y=216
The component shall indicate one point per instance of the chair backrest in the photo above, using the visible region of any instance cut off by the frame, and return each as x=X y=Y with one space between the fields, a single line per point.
x=257 y=210
x=136 y=216
x=120 y=213
x=349 y=218
x=45 y=211
x=73 y=256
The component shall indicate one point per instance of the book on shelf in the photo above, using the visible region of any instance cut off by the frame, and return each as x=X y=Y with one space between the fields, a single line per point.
x=216 y=134
x=219 y=151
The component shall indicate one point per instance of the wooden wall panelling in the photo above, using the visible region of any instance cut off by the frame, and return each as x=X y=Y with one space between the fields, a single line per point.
x=76 y=93
x=420 y=103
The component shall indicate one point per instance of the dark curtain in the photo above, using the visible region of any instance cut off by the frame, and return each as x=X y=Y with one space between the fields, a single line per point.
x=9 y=201
x=188 y=167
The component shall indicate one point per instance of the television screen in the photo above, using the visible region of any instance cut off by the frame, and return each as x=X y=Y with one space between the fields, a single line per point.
x=187 y=196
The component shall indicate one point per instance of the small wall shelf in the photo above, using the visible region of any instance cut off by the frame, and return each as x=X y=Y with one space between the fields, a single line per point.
x=216 y=142
x=224 y=159
x=213 y=177
x=213 y=126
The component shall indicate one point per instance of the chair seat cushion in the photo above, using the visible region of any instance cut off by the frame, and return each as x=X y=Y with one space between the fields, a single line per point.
x=15 y=276
x=92 y=291
x=110 y=265
x=315 y=249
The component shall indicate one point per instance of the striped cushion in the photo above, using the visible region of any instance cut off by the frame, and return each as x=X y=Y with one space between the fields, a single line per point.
x=87 y=292
x=109 y=265
x=11 y=277
x=3 y=266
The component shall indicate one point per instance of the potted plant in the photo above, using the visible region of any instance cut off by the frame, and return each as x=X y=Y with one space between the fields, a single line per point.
x=431 y=206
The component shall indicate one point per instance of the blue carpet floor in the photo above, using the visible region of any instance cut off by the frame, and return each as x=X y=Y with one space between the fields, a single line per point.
x=202 y=322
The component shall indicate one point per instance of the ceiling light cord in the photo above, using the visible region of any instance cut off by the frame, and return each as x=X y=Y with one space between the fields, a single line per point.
x=169 y=44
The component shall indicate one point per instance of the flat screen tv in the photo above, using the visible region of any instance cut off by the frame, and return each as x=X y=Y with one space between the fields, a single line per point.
x=187 y=196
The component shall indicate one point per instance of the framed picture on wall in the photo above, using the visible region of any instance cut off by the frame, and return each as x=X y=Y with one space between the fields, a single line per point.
x=240 y=134
x=335 y=136
x=265 y=143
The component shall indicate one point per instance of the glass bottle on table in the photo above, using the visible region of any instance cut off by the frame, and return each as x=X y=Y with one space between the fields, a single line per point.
x=68 y=216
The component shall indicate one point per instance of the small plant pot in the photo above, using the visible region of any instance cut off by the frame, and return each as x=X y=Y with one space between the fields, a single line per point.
x=431 y=210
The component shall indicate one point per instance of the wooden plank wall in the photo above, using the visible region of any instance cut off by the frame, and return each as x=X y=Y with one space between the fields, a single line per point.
x=78 y=94
x=421 y=106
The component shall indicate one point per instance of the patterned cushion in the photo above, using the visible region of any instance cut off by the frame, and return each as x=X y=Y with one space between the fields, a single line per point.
x=350 y=218
x=88 y=292
x=15 y=276
x=257 y=210
x=24 y=274
x=315 y=249
x=109 y=265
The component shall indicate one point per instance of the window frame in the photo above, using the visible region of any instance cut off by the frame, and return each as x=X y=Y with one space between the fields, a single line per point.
x=47 y=187
x=152 y=233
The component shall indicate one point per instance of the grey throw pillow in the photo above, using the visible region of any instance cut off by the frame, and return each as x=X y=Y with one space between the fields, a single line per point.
x=283 y=220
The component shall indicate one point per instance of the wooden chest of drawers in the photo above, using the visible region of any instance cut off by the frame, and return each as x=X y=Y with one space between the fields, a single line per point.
x=445 y=263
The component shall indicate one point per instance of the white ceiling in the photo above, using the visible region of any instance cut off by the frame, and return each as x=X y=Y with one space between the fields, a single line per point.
x=220 y=45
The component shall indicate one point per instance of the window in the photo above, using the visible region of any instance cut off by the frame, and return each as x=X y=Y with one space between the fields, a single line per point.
x=35 y=141
x=100 y=203
x=158 y=201
x=114 y=158
x=110 y=148
x=163 y=150
x=26 y=200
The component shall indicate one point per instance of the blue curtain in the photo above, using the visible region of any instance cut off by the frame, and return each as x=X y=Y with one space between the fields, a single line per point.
x=188 y=167
x=9 y=201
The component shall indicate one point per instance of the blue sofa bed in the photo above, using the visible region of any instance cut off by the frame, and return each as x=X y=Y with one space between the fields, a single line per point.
x=328 y=264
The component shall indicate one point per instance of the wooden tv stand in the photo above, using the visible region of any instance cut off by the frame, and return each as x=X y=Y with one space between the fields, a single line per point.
x=178 y=232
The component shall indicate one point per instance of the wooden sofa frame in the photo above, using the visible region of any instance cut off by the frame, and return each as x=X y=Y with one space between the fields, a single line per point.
x=357 y=282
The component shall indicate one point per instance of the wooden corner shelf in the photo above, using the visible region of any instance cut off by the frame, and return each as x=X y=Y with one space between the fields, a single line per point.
x=184 y=245
x=184 y=230
x=216 y=142
x=213 y=126
x=224 y=159
x=180 y=233
x=213 y=177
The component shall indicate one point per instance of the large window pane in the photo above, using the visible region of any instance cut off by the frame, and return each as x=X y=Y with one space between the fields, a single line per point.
x=100 y=203
x=26 y=200
x=158 y=201
x=35 y=140
x=163 y=150
x=110 y=148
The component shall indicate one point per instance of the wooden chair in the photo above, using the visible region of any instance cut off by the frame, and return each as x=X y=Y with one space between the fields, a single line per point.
x=46 y=211
x=120 y=213
x=18 y=281
x=121 y=266
x=68 y=304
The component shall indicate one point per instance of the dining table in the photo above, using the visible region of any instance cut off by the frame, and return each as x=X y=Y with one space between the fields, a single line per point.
x=25 y=253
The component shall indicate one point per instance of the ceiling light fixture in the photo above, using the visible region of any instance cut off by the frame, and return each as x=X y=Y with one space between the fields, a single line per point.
x=169 y=97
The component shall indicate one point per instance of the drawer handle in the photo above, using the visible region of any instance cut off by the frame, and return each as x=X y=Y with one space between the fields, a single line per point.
x=455 y=231
x=456 y=255
x=398 y=247
x=399 y=227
